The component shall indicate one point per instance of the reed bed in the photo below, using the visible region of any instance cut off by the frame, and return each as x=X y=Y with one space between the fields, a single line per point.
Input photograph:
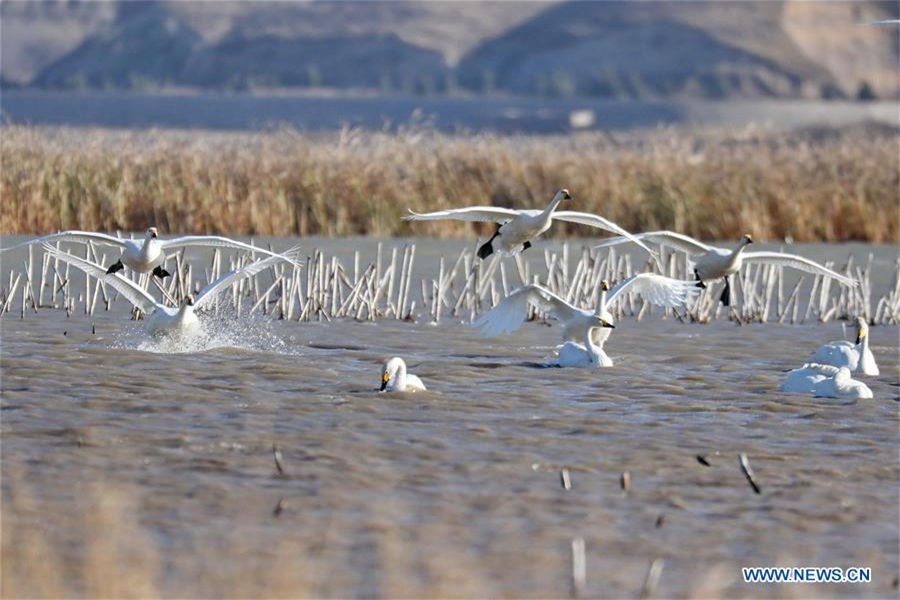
x=465 y=287
x=829 y=185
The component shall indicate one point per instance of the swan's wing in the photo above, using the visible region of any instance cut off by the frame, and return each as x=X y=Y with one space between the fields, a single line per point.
x=797 y=262
x=212 y=289
x=132 y=291
x=218 y=242
x=600 y=223
x=495 y=214
x=74 y=236
x=509 y=315
x=663 y=238
x=660 y=290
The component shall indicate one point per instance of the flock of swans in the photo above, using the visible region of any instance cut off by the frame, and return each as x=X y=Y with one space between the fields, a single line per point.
x=584 y=332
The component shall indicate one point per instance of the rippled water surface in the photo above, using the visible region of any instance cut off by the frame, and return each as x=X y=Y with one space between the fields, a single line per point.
x=131 y=470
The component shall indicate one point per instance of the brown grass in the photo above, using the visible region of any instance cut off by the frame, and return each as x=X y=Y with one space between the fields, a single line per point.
x=713 y=185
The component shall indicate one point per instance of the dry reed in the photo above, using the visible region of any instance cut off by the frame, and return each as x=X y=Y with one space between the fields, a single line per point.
x=833 y=186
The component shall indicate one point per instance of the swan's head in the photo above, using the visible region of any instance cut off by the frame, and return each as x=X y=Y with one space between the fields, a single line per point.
x=862 y=329
x=604 y=285
x=747 y=239
x=389 y=371
x=189 y=300
x=603 y=322
x=152 y=232
x=563 y=194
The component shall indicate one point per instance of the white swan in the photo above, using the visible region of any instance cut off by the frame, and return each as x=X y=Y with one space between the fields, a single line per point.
x=166 y=319
x=841 y=385
x=580 y=324
x=804 y=379
x=712 y=263
x=856 y=356
x=394 y=377
x=147 y=256
x=518 y=227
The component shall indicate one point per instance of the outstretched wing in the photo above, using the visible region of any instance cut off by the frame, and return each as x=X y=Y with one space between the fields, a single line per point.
x=797 y=262
x=73 y=236
x=217 y=242
x=601 y=223
x=208 y=293
x=663 y=238
x=494 y=214
x=660 y=290
x=509 y=315
x=132 y=291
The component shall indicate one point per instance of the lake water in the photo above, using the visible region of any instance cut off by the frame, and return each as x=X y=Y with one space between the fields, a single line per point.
x=500 y=114
x=127 y=471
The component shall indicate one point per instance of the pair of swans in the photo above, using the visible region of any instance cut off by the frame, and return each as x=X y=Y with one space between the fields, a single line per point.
x=827 y=373
x=149 y=255
x=517 y=228
x=712 y=263
x=583 y=331
x=163 y=319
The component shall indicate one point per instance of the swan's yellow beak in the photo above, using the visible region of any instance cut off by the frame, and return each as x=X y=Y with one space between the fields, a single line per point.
x=153 y=232
x=604 y=323
x=385 y=377
x=566 y=194
x=604 y=285
x=748 y=238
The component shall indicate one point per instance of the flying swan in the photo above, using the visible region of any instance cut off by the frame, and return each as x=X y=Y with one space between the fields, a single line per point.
x=712 y=263
x=147 y=256
x=166 y=319
x=394 y=377
x=856 y=356
x=578 y=324
x=518 y=227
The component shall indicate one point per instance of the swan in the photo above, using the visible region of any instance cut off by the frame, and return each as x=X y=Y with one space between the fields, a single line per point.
x=712 y=263
x=804 y=379
x=581 y=324
x=856 y=357
x=841 y=385
x=394 y=377
x=166 y=319
x=518 y=227
x=147 y=256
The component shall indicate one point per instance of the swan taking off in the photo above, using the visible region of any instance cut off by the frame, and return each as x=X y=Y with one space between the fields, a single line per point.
x=517 y=228
x=166 y=319
x=394 y=377
x=148 y=256
x=712 y=263
x=578 y=324
x=856 y=357
x=841 y=385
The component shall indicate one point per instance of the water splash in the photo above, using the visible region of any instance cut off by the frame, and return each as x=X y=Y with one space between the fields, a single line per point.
x=225 y=330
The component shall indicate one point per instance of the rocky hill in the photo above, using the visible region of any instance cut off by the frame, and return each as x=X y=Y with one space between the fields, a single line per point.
x=609 y=49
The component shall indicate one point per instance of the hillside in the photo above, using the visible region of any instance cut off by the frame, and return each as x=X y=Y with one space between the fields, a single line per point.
x=608 y=49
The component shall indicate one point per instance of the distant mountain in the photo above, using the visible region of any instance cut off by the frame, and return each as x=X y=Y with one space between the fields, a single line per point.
x=607 y=49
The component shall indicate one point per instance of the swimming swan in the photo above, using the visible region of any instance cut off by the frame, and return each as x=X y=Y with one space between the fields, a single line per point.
x=147 y=256
x=856 y=357
x=519 y=227
x=841 y=385
x=804 y=379
x=580 y=324
x=167 y=319
x=394 y=377
x=719 y=263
